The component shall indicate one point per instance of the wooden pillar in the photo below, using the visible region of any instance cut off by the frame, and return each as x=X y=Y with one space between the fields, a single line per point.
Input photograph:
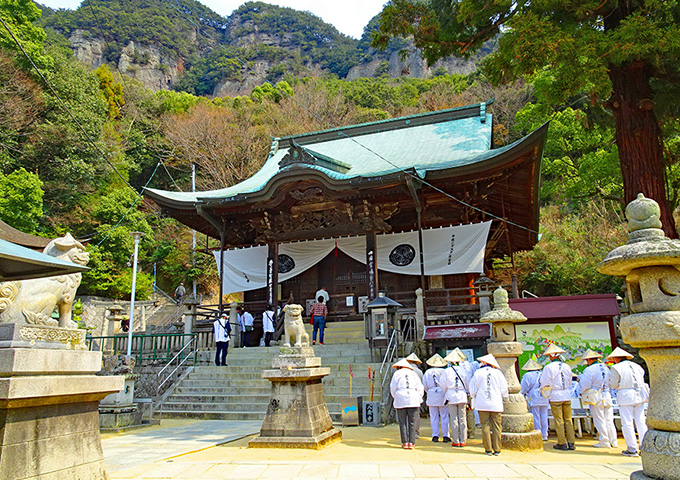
x=221 y=307
x=371 y=265
x=273 y=274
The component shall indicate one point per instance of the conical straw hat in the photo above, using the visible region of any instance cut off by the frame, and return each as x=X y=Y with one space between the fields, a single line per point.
x=413 y=358
x=590 y=354
x=403 y=363
x=455 y=356
x=490 y=360
x=619 y=352
x=532 y=365
x=461 y=355
x=552 y=350
x=436 y=361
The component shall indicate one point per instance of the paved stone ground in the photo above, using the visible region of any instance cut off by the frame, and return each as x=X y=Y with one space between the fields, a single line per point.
x=213 y=449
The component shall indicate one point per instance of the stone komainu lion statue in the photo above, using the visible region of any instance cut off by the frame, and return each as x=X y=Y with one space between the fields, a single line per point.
x=293 y=328
x=33 y=301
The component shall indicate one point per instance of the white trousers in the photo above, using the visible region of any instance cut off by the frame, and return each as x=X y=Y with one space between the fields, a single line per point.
x=603 y=419
x=540 y=413
x=439 y=414
x=629 y=414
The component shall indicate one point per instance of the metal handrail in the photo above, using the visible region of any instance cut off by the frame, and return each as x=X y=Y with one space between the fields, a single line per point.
x=176 y=355
x=157 y=289
x=387 y=359
x=178 y=365
x=389 y=352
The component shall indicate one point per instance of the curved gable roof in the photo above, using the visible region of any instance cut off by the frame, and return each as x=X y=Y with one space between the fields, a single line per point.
x=426 y=142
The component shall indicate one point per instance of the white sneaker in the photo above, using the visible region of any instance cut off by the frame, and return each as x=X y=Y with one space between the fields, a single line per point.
x=615 y=445
x=630 y=453
x=601 y=445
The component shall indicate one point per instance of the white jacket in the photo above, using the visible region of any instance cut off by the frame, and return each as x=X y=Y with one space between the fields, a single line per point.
x=220 y=329
x=268 y=321
x=557 y=375
x=456 y=383
x=432 y=383
x=629 y=378
x=596 y=377
x=531 y=389
x=406 y=389
x=489 y=387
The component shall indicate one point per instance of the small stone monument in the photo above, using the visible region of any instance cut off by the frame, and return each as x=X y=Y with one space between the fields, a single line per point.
x=118 y=410
x=650 y=262
x=297 y=416
x=518 y=423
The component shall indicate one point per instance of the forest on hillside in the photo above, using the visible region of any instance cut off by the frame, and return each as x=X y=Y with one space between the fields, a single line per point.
x=78 y=146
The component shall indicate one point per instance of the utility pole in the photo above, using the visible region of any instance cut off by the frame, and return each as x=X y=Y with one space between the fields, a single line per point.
x=193 y=242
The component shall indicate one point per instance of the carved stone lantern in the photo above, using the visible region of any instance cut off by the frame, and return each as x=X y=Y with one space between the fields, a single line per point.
x=518 y=424
x=650 y=263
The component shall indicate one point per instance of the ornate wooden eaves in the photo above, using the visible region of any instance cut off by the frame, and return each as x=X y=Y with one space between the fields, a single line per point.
x=309 y=220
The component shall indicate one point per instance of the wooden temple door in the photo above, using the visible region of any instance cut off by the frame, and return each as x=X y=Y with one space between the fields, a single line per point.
x=343 y=278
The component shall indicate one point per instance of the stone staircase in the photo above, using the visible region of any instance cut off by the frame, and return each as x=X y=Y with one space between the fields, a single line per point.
x=238 y=392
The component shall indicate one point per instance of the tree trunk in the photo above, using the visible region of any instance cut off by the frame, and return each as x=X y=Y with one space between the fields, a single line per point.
x=638 y=137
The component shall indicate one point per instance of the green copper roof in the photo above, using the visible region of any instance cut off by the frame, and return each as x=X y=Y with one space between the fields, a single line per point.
x=425 y=142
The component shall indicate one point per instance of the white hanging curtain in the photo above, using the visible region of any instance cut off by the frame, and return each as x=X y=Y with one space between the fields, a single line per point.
x=246 y=268
x=447 y=251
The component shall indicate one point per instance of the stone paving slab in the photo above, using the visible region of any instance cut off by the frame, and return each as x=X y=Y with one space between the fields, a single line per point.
x=218 y=450
x=143 y=446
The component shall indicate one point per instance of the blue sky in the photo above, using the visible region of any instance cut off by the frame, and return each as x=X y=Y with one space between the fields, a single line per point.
x=349 y=16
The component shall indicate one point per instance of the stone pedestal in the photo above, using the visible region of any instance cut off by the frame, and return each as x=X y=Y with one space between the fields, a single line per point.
x=650 y=262
x=49 y=419
x=297 y=416
x=517 y=423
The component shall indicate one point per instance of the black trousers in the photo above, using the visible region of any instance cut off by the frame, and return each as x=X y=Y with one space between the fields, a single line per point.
x=267 y=338
x=221 y=354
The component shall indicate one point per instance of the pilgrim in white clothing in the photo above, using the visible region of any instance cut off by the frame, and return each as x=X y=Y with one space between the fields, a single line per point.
x=629 y=379
x=556 y=386
x=407 y=392
x=456 y=382
x=538 y=404
x=488 y=388
x=432 y=382
x=595 y=393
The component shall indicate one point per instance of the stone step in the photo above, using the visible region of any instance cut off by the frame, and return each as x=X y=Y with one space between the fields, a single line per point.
x=358 y=369
x=228 y=414
x=236 y=386
x=319 y=350
x=216 y=415
x=265 y=389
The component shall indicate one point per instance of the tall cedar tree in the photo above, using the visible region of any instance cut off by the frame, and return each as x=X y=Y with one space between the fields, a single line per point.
x=623 y=51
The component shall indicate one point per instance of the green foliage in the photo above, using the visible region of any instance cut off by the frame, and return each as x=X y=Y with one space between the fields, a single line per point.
x=21 y=200
x=580 y=159
x=111 y=90
x=564 y=262
x=269 y=91
x=19 y=16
